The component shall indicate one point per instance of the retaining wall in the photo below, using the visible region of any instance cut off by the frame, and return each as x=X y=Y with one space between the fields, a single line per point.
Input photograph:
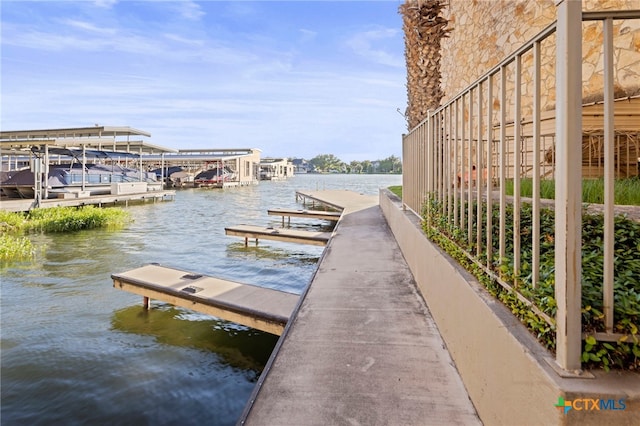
x=508 y=374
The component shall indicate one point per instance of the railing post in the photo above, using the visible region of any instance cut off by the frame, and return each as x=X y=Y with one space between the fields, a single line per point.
x=568 y=215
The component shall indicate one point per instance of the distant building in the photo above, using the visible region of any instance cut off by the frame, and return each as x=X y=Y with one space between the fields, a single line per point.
x=301 y=166
x=275 y=169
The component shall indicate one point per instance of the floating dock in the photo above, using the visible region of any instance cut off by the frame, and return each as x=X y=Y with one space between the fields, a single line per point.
x=257 y=307
x=309 y=214
x=280 y=234
x=23 y=205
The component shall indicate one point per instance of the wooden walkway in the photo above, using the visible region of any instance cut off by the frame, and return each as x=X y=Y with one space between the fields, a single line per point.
x=257 y=307
x=280 y=234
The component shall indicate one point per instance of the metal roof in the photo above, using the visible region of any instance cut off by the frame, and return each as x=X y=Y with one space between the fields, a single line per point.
x=114 y=138
x=73 y=132
x=87 y=153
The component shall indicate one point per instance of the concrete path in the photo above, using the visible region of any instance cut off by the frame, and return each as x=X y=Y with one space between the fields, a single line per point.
x=363 y=348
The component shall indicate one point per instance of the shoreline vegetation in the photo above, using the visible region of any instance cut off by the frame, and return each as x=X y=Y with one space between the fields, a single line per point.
x=16 y=246
x=329 y=163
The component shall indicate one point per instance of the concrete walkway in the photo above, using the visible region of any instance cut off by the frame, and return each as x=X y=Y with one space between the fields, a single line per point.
x=363 y=348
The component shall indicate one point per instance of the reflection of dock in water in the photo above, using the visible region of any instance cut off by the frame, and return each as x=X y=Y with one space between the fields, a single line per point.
x=238 y=346
x=257 y=307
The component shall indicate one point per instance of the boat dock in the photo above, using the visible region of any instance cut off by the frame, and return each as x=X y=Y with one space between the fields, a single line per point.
x=280 y=234
x=361 y=348
x=257 y=307
x=309 y=214
x=23 y=205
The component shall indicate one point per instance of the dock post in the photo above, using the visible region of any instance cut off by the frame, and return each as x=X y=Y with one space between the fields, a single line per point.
x=145 y=302
x=246 y=241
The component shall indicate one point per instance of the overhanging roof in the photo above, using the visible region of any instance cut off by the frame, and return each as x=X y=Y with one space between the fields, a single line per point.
x=73 y=132
x=114 y=138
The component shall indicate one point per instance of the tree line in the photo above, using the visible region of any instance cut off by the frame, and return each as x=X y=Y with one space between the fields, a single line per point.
x=329 y=163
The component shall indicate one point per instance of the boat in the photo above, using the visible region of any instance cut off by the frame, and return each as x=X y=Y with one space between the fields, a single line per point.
x=216 y=176
x=72 y=178
x=175 y=176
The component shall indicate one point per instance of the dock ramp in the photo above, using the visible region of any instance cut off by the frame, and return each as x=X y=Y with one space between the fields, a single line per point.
x=257 y=307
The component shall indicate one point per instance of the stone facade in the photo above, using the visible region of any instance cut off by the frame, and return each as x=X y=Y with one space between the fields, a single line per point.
x=483 y=32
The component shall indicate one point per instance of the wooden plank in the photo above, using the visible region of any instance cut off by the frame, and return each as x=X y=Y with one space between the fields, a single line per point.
x=280 y=234
x=312 y=214
x=257 y=307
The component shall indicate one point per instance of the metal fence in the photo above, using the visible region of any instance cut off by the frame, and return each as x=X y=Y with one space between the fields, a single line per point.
x=465 y=152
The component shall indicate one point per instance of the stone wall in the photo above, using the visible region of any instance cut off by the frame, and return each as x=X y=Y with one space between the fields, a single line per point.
x=483 y=32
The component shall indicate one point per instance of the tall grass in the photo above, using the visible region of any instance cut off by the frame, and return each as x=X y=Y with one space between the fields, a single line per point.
x=626 y=191
x=15 y=246
x=68 y=219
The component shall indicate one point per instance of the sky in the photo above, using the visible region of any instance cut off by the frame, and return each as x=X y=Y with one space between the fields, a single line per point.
x=291 y=78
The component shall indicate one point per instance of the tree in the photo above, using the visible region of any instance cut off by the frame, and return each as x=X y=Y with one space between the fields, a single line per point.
x=327 y=162
x=390 y=164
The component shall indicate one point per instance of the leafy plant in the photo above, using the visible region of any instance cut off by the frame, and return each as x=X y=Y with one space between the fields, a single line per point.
x=622 y=354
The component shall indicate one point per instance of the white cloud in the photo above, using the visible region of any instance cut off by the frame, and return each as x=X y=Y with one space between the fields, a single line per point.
x=190 y=10
x=307 y=35
x=369 y=44
x=87 y=26
x=107 y=4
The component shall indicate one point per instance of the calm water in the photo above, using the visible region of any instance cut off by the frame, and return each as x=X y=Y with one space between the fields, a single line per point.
x=74 y=350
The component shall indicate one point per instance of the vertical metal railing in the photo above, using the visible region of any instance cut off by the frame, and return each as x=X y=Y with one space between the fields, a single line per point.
x=464 y=152
x=609 y=173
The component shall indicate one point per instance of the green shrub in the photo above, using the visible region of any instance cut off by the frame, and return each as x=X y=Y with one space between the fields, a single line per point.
x=622 y=354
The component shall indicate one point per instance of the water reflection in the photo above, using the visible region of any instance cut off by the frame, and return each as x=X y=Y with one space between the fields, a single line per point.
x=238 y=346
x=270 y=253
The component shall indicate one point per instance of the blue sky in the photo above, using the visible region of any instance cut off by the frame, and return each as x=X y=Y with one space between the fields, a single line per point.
x=292 y=78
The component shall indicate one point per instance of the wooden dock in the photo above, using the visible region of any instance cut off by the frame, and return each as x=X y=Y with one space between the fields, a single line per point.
x=257 y=307
x=23 y=205
x=280 y=234
x=309 y=214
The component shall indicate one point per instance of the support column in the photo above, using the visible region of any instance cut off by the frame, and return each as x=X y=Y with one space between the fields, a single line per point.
x=568 y=214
